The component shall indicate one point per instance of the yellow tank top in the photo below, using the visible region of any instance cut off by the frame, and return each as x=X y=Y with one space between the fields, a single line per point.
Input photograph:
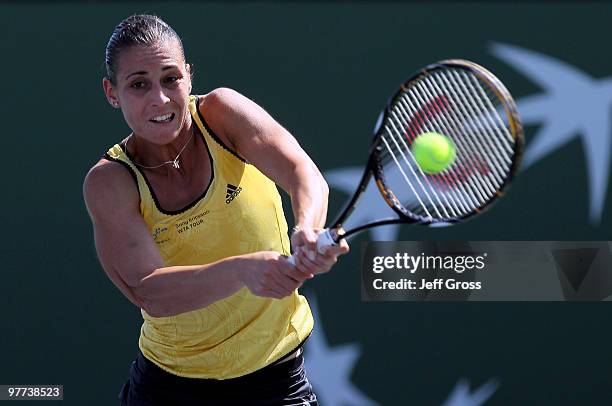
x=240 y=212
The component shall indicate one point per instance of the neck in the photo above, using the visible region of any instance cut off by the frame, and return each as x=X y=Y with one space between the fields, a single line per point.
x=147 y=154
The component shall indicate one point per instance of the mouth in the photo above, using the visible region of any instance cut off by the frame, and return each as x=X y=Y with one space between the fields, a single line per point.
x=163 y=119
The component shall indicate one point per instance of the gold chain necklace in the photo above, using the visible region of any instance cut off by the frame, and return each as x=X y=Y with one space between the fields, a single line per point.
x=174 y=162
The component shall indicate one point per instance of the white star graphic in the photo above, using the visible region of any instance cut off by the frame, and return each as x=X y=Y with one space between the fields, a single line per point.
x=461 y=396
x=329 y=369
x=573 y=104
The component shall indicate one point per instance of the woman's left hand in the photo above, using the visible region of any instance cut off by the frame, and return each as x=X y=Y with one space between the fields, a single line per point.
x=307 y=258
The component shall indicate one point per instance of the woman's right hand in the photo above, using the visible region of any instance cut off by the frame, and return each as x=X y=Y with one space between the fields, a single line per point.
x=269 y=274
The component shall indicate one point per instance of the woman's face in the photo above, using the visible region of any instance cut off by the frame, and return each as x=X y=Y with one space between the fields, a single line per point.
x=152 y=88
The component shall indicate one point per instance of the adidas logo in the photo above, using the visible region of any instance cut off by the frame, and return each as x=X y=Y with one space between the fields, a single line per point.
x=232 y=192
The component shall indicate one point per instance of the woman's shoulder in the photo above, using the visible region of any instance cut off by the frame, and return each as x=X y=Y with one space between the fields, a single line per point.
x=220 y=103
x=108 y=182
x=217 y=107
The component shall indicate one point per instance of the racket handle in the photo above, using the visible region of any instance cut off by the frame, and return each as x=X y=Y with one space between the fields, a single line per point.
x=325 y=239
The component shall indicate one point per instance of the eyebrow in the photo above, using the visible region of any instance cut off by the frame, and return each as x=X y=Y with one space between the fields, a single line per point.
x=142 y=72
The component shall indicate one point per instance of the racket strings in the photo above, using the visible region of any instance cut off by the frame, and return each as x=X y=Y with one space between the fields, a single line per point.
x=472 y=124
x=453 y=102
x=452 y=205
x=400 y=167
x=504 y=137
x=420 y=179
x=483 y=118
x=455 y=203
x=453 y=197
x=481 y=186
x=473 y=196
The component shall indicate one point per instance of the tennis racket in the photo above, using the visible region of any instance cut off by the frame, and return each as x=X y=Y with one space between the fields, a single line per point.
x=469 y=105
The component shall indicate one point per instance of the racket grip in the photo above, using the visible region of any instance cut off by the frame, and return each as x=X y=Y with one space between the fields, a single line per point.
x=325 y=239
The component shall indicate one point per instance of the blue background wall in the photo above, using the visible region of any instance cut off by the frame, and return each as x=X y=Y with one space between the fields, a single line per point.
x=324 y=70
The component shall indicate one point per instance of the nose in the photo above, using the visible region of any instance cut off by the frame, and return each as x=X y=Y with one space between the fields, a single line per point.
x=158 y=96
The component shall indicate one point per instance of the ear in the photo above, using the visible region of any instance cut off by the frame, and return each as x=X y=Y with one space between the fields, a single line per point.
x=109 y=92
x=190 y=74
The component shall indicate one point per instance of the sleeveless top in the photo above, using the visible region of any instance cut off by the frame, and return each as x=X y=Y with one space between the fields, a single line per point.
x=240 y=212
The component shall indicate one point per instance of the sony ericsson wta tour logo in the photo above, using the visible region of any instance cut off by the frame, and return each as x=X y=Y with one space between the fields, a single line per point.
x=572 y=104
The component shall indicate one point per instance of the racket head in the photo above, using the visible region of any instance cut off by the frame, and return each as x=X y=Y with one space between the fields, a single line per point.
x=469 y=105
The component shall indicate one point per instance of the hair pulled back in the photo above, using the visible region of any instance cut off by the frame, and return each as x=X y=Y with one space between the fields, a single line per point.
x=136 y=30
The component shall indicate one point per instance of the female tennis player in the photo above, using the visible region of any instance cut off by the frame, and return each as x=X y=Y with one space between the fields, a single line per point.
x=189 y=226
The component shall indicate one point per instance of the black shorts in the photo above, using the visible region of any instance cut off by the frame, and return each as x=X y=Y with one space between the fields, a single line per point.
x=280 y=384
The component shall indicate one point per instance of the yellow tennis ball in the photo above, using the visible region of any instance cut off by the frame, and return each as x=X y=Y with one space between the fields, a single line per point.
x=433 y=152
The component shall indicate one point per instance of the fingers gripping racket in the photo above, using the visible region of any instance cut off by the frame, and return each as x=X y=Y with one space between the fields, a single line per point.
x=468 y=105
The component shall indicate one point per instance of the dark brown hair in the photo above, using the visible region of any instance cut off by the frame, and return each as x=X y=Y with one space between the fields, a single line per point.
x=137 y=29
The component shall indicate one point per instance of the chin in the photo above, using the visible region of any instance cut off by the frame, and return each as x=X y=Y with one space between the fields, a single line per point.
x=160 y=136
x=166 y=138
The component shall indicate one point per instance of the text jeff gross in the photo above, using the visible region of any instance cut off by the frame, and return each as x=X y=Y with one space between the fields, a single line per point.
x=435 y=284
x=414 y=263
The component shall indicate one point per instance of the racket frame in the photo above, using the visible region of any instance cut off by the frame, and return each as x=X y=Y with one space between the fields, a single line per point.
x=374 y=166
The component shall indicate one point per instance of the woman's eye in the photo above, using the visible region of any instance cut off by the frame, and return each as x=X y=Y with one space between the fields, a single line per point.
x=171 y=79
x=138 y=85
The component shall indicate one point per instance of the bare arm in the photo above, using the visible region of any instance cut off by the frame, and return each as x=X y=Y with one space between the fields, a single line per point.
x=132 y=261
x=256 y=136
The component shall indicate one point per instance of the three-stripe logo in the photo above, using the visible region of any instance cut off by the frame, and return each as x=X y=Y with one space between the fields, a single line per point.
x=232 y=192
